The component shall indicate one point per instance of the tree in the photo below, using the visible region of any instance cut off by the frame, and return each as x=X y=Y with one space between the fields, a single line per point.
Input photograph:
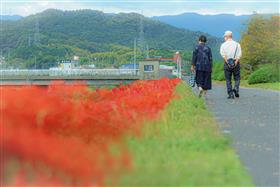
x=261 y=41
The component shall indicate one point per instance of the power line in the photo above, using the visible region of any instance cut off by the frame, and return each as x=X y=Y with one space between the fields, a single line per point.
x=37 y=33
x=141 y=34
x=29 y=41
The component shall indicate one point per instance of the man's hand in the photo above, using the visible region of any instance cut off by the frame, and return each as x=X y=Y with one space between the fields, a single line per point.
x=225 y=59
x=236 y=60
x=192 y=68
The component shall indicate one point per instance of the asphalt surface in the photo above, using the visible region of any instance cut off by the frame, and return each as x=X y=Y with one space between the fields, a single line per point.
x=253 y=123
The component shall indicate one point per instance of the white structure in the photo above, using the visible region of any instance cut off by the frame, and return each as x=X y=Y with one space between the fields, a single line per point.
x=2 y=59
x=92 y=66
x=76 y=58
x=66 y=65
x=165 y=67
x=178 y=61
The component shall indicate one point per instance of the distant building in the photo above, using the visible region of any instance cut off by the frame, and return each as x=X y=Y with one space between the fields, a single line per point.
x=154 y=68
x=67 y=65
x=149 y=69
x=88 y=66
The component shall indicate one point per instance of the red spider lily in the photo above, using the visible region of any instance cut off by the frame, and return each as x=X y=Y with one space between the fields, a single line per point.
x=71 y=130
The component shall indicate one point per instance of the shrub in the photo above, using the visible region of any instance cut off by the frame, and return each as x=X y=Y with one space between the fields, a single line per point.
x=218 y=71
x=266 y=73
x=244 y=73
x=221 y=76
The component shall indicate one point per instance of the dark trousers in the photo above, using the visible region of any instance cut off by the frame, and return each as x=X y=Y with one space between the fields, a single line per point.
x=235 y=72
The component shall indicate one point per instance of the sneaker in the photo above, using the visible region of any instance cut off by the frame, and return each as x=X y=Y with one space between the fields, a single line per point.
x=201 y=91
x=230 y=96
x=235 y=93
x=204 y=93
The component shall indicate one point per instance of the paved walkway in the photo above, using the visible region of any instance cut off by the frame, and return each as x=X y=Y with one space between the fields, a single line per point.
x=253 y=122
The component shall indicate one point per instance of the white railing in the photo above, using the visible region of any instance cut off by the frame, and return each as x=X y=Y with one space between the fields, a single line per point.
x=70 y=72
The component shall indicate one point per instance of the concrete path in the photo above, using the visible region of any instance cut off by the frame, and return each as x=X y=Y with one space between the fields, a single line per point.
x=253 y=122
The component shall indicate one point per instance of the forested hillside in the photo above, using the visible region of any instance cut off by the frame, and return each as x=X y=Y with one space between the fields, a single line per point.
x=55 y=35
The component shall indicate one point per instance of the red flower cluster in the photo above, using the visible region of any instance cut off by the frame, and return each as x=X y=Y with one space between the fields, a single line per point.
x=70 y=129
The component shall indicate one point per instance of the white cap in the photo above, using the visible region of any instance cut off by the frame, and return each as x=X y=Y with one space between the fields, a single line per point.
x=228 y=33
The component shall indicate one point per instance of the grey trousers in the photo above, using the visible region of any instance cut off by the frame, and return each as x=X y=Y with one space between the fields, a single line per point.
x=235 y=72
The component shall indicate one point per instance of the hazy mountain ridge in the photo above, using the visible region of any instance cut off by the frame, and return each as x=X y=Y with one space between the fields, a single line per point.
x=212 y=24
x=10 y=17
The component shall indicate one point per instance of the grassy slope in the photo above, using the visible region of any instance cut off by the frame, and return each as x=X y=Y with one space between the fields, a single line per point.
x=184 y=148
x=271 y=86
x=244 y=83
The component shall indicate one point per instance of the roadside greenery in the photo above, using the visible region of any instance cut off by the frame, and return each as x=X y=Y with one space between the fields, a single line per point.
x=184 y=148
x=265 y=74
x=218 y=71
x=270 y=86
x=244 y=83
x=261 y=41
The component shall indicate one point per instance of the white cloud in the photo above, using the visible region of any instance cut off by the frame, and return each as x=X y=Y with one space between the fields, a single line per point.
x=152 y=8
x=26 y=9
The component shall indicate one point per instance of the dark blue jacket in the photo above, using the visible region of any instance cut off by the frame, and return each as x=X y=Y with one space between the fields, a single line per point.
x=202 y=58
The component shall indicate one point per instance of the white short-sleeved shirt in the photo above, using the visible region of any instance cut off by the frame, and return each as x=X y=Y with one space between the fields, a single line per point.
x=228 y=49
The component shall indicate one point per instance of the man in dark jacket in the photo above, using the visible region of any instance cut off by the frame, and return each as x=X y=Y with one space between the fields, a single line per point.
x=202 y=65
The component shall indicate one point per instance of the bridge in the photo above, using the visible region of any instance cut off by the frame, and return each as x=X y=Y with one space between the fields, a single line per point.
x=148 y=69
x=89 y=76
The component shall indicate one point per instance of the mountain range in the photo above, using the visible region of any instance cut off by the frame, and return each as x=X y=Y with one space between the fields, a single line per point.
x=64 y=33
x=215 y=25
x=212 y=24
x=10 y=17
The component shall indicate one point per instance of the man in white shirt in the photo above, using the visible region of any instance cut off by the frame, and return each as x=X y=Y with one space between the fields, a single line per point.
x=231 y=53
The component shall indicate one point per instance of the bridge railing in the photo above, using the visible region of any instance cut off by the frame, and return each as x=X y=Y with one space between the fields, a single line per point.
x=23 y=72
x=70 y=72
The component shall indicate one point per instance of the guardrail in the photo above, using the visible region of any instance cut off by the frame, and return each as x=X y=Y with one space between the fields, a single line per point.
x=70 y=72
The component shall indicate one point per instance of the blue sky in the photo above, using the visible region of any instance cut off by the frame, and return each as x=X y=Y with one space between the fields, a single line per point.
x=147 y=7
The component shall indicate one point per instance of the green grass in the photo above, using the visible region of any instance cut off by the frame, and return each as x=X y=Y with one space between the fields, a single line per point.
x=271 y=86
x=184 y=148
x=244 y=83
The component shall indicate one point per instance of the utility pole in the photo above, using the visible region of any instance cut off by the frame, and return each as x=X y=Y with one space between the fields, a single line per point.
x=37 y=38
x=141 y=35
x=147 y=51
x=134 y=59
x=35 y=63
x=29 y=41
x=9 y=53
x=37 y=33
